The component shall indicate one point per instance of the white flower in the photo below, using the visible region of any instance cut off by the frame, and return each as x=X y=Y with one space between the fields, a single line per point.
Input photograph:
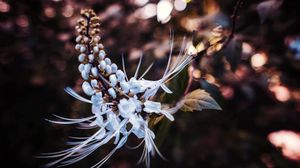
x=123 y=113
x=155 y=107
x=152 y=107
x=135 y=86
x=125 y=87
x=126 y=107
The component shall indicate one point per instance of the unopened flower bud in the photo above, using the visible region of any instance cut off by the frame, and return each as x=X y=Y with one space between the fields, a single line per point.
x=113 y=80
x=108 y=61
x=81 y=57
x=87 y=67
x=82 y=49
x=94 y=83
x=108 y=69
x=94 y=71
x=97 y=39
x=78 y=38
x=91 y=57
x=87 y=89
x=102 y=64
x=85 y=75
x=114 y=68
x=112 y=92
x=77 y=46
x=120 y=75
x=101 y=46
x=96 y=49
x=85 y=39
x=97 y=98
x=81 y=67
x=102 y=54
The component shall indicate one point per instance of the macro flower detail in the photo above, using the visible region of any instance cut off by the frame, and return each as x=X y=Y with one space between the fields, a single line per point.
x=121 y=106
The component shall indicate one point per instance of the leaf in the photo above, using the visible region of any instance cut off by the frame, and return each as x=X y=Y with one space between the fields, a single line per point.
x=267 y=8
x=198 y=100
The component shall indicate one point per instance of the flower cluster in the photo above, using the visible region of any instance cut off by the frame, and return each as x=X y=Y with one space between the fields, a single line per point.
x=121 y=106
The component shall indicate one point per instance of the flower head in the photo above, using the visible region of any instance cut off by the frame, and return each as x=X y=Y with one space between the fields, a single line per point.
x=120 y=107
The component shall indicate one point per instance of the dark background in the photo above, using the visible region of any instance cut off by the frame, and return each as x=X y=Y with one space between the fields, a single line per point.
x=37 y=61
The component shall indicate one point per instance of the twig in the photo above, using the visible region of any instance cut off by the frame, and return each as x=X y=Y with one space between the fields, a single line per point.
x=225 y=43
x=234 y=18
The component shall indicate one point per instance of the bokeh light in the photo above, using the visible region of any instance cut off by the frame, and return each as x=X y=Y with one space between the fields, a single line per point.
x=180 y=5
x=49 y=12
x=227 y=92
x=4 y=7
x=140 y=2
x=146 y=12
x=164 y=9
x=288 y=142
x=282 y=93
x=258 y=60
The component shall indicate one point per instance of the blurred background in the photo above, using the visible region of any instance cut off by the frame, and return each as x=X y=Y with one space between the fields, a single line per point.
x=255 y=79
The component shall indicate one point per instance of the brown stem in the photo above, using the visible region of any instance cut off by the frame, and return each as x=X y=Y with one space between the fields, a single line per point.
x=234 y=18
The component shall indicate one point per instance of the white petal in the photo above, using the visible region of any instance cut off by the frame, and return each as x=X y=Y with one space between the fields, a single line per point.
x=125 y=86
x=166 y=89
x=152 y=107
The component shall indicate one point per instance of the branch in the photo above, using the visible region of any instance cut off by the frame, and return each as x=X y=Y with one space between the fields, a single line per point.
x=234 y=18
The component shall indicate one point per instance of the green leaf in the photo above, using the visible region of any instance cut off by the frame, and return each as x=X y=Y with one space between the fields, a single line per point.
x=198 y=100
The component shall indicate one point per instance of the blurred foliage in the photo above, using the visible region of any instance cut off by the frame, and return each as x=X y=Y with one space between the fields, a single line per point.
x=255 y=79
